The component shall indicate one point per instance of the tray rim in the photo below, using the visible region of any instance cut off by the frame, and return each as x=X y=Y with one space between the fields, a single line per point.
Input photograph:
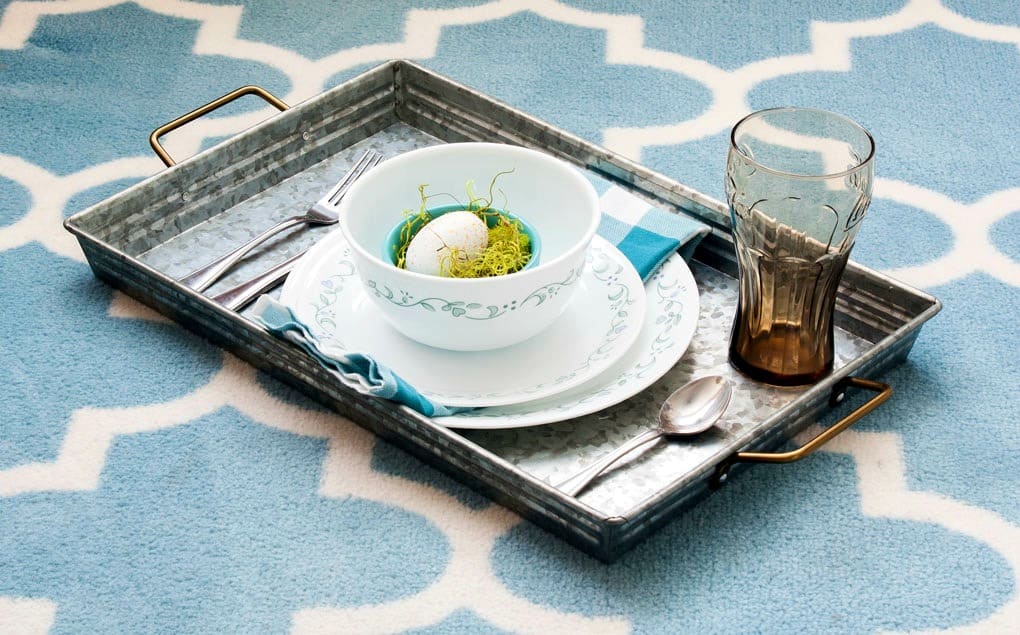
x=717 y=218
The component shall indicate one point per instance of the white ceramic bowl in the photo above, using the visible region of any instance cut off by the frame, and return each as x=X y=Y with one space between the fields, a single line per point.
x=480 y=313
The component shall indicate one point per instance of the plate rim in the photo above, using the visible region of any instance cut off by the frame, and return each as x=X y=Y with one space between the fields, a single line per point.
x=465 y=421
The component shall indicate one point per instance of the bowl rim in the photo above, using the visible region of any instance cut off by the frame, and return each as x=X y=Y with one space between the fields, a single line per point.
x=569 y=173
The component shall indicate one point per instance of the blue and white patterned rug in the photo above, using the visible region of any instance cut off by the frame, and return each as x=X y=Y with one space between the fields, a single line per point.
x=150 y=483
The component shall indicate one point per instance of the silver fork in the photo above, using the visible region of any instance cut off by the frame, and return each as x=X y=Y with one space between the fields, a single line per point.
x=323 y=212
x=237 y=297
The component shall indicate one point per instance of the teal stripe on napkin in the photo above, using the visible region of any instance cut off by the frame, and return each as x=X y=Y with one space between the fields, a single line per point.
x=354 y=370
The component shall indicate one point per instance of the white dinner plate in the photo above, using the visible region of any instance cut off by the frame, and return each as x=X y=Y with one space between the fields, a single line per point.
x=670 y=321
x=598 y=327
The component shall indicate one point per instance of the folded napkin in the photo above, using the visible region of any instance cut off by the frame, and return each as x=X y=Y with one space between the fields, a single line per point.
x=645 y=235
x=354 y=370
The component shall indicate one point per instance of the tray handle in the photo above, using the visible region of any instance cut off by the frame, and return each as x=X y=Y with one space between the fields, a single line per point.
x=838 y=394
x=204 y=110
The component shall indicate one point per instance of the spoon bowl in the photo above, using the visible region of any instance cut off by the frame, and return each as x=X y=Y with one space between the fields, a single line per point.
x=695 y=407
x=692 y=408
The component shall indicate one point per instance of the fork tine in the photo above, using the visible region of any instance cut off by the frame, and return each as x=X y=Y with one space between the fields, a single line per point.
x=365 y=156
x=373 y=160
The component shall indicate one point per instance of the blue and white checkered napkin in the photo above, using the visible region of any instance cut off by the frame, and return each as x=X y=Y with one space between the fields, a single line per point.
x=645 y=235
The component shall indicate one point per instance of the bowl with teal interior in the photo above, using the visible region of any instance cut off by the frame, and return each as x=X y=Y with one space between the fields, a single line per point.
x=554 y=199
x=393 y=240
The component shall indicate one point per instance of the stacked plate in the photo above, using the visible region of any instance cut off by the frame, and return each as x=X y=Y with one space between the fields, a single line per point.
x=616 y=338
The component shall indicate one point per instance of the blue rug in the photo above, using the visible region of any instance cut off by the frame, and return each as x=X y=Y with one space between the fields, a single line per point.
x=148 y=483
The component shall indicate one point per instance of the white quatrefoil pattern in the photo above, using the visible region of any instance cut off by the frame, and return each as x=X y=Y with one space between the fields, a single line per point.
x=150 y=483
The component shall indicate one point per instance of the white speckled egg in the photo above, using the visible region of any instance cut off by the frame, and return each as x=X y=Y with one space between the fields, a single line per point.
x=431 y=245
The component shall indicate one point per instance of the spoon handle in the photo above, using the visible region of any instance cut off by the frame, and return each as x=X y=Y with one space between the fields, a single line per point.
x=573 y=485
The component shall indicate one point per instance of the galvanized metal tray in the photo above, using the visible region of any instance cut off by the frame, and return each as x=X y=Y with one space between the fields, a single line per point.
x=141 y=239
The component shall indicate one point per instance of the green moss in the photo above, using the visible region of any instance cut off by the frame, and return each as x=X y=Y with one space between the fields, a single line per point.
x=509 y=247
x=509 y=250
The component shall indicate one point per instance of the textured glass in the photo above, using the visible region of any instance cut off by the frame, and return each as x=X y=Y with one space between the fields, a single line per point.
x=798 y=183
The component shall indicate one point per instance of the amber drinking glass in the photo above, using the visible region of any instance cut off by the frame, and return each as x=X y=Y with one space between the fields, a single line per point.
x=798 y=183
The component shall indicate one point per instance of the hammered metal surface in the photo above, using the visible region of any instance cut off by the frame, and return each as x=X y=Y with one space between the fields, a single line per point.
x=212 y=238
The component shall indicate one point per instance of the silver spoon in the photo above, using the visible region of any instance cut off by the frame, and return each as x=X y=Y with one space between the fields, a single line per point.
x=692 y=408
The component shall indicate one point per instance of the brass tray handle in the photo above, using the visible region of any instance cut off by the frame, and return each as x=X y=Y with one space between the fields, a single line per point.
x=838 y=394
x=204 y=110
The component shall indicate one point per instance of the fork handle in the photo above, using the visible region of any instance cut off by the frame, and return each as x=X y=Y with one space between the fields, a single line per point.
x=202 y=278
x=236 y=298
x=573 y=485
